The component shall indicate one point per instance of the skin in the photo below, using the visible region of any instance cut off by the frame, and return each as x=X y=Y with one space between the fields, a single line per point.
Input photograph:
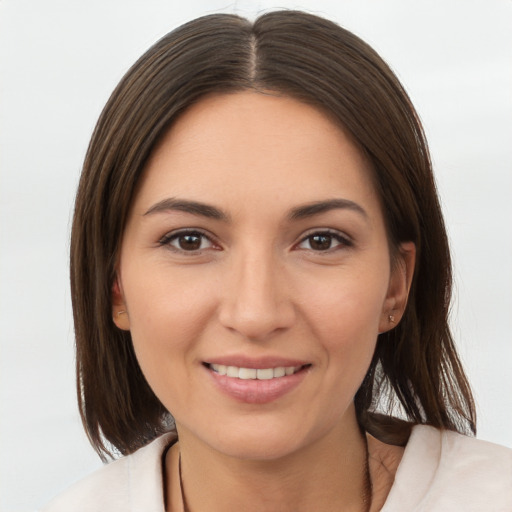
x=257 y=283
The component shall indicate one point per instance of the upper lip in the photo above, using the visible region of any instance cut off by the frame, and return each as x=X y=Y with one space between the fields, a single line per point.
x=242 y=361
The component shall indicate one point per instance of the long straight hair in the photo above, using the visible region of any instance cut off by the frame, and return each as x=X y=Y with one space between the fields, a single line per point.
x=415 y=369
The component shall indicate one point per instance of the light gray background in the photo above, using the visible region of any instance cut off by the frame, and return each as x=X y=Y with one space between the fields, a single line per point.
x=59 y=61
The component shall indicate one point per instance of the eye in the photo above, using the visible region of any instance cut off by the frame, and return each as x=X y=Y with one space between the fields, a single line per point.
x=323 y=241
x=187 y=241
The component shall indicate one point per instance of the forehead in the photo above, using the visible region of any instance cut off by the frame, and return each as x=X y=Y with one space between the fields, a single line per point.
x=255 y=145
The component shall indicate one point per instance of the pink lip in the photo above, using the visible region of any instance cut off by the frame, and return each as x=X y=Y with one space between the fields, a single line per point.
x=256 y=391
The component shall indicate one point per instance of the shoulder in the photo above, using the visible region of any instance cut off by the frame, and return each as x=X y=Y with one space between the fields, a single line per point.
x=445 y=471
x=134 y=482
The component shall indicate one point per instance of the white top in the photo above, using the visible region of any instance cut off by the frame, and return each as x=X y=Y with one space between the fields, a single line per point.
x=440 y=472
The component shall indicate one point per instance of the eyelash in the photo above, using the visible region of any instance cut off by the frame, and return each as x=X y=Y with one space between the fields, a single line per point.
x=343 y=241
x=168 y=239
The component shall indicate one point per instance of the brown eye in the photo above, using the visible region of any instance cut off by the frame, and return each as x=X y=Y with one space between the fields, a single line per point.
x=320 y=242
x=190 y=242
x=324 y=241
x=187 y=241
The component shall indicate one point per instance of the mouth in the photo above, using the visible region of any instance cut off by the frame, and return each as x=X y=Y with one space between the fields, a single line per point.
x=256 y=380
x=242 y=373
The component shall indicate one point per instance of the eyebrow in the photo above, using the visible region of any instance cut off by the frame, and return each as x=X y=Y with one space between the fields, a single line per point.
x=318 y=207
x=193 y=207
x=211 y=212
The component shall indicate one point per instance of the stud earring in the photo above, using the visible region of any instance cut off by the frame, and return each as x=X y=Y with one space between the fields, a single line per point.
x=391 y=318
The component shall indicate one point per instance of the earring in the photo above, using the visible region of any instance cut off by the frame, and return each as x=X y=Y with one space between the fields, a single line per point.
x=391 y=318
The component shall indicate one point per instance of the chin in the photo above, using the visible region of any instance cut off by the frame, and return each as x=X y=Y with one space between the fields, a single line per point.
x=258 y=447
x=265 y=439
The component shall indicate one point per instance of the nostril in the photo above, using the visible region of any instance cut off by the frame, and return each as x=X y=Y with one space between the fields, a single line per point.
x=256 y=321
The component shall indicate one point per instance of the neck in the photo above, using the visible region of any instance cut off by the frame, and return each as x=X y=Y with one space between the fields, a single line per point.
x=328 y=474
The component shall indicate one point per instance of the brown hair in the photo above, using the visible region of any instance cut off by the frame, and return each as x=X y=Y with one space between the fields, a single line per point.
x=415 y=365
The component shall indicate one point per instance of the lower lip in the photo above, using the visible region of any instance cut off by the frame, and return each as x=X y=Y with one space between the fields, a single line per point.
x=254 y=391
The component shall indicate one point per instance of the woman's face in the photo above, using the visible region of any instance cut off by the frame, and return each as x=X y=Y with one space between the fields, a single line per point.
x=255 y=274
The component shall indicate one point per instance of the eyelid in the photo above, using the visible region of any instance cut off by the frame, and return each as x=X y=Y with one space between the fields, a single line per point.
x=176 y=233
x=343 y=239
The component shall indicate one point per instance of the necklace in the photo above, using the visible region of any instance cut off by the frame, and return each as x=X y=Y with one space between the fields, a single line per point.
x=367 y=491
x=183 y=500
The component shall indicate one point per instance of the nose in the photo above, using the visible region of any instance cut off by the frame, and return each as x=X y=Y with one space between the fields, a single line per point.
x=256 y=301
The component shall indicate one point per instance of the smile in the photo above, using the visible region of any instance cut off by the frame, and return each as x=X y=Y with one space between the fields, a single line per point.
x=257 y=385
x=254 y=373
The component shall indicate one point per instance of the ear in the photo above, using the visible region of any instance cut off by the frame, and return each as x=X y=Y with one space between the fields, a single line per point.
x=119 y=311
x=399 y=285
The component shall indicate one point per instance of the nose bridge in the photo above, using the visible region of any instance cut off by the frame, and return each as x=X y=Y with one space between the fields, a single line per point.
x=256 y=302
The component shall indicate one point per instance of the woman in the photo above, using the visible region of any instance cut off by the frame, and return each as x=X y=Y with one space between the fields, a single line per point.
x=260 y=281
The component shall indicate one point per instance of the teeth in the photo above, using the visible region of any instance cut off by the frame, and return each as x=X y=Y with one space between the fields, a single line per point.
x=253 y=373
x=280 y=371
x=221 y=369
x=266 y=374
x=247 y=373
x=232 y=371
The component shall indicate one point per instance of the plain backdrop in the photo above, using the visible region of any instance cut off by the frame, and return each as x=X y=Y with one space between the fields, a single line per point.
x=59 y=61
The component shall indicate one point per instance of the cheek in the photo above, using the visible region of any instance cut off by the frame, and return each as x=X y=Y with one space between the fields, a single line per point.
x=172 y=303
x=168 y=315
x=344 y=315
x=346 y=305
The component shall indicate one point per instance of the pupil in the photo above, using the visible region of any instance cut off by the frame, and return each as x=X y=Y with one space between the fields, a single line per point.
x=320 y=242
x=190 y=242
